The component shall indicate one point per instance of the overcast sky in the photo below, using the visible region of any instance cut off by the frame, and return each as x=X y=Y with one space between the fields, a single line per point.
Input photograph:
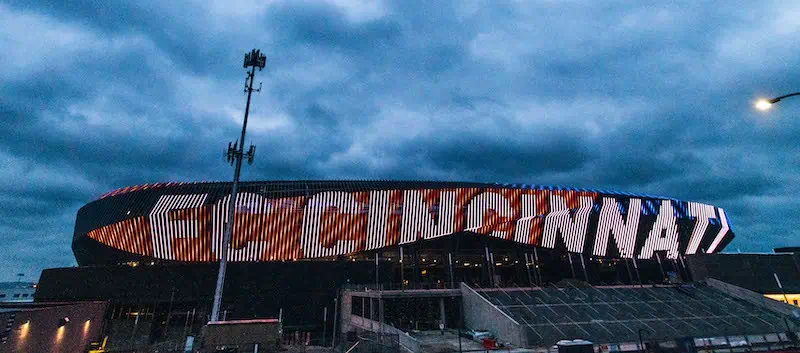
x=649 y=97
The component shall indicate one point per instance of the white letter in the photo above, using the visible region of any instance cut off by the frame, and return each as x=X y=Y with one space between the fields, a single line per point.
x=624 y=229
x=573 y=231
x=723 y=221
x=665 y=223
x=163 y=230
x=484 y=202
x=417 y=216
x=522 y=231
x=311 y=241
x=702 y=213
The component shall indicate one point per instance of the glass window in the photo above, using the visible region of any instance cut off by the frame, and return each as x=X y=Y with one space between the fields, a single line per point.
x=2 y=295
x=25 y=295
x=16 y=295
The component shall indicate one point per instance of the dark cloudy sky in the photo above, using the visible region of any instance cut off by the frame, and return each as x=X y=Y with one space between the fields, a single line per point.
x=651 y=97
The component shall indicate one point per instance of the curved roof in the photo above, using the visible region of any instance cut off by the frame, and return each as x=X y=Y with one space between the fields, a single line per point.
x=312 y=219
x=371 y=184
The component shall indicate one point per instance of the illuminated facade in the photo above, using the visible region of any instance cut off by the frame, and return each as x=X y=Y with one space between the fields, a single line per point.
x=294 y=220
x=793 y=299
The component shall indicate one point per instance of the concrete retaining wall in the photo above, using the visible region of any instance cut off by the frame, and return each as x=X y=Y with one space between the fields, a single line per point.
x=406 y=341
x=479 y=313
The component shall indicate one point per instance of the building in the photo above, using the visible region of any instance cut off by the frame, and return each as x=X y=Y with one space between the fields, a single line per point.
x=50 y=327
x=17 y=292
x=775 y=275
x=150 y=251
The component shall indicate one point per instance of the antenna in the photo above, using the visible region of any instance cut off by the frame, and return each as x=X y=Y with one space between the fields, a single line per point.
x=234 y=155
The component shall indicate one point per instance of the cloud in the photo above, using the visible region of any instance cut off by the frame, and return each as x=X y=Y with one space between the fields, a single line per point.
x=640 y=97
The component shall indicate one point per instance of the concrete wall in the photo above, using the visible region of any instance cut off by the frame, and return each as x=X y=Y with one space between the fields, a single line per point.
x=38 y=327
x=242 y=333
x=753 y=298
x=479 y=313
x=751 y=271
x=345 y=312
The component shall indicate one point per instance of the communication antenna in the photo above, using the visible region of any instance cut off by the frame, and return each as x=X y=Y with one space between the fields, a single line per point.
x=234 y=155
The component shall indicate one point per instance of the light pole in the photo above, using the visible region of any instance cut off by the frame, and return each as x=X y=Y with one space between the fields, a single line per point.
x=235 y=154
x=765 y=104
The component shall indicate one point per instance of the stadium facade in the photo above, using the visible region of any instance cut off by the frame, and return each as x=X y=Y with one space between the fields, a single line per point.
x=314 y=252
x=280 y=221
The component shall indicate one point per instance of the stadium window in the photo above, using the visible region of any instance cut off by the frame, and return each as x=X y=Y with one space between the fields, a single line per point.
x=795 y=301
x=2 y=295
x=357 y=306
x=26 y=295
x=16 y=295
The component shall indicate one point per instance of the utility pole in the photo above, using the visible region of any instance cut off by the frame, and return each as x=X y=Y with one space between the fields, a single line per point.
x=235 y=154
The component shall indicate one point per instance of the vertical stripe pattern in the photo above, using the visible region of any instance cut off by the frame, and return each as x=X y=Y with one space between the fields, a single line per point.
x=276 y=221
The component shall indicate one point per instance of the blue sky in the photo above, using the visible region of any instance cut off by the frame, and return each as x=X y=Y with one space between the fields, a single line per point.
x=638 y=96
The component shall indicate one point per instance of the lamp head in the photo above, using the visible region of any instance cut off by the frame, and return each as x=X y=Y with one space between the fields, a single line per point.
x=765 y=104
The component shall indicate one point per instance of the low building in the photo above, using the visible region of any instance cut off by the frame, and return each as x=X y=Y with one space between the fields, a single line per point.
x=50 y=327
x=775 y=275
x=17 y=292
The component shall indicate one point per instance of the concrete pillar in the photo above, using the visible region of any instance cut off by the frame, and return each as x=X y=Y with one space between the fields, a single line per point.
x=372 y=309
x=442 y=317
x=380 y=312
x=345 y=312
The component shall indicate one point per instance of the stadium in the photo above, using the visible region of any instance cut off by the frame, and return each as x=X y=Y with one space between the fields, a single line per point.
x=282 y=221
x=532 y=264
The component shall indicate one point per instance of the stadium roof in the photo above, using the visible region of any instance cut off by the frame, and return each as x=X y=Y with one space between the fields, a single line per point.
x=380 y=184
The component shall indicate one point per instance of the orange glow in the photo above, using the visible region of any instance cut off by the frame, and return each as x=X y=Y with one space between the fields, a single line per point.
x=86 y=327
x=23 y=330
x=59 y=334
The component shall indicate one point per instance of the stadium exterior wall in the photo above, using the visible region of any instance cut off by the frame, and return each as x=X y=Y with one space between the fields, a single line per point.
x=290 y=220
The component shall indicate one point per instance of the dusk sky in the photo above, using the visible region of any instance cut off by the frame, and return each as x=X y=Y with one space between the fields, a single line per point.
x=636 y=96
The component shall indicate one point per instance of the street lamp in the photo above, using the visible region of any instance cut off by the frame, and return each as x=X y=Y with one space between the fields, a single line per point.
x=765 y=104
